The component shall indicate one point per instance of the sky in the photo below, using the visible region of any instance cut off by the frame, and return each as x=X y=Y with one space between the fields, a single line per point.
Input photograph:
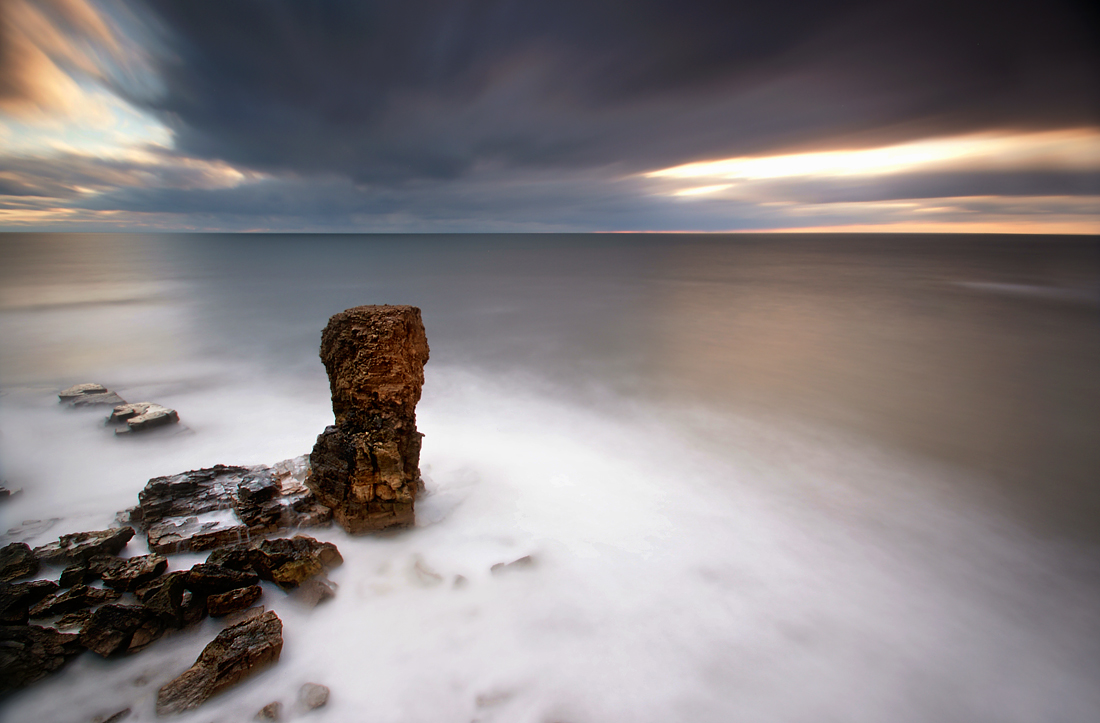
x=531 y=116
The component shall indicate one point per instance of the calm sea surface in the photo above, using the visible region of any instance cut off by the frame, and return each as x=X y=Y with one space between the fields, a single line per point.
x=769 y=477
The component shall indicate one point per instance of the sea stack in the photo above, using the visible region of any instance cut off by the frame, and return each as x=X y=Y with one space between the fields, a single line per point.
x=367 y=466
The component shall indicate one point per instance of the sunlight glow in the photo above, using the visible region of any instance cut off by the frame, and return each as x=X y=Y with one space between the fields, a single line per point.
x=1074 y=149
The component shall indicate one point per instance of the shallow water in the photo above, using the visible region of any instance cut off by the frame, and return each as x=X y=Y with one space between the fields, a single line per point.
x=761 y=479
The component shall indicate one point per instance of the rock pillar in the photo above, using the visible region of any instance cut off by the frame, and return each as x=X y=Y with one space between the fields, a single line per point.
x=367 y=466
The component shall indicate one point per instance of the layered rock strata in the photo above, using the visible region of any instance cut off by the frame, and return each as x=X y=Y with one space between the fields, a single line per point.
x=207 y=508
x=367 y=466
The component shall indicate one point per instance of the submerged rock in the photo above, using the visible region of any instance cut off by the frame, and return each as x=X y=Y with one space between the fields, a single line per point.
x=313 y=695
x=366 y=467
x=88 y=395
x=82 y=546
x=209 y=508
x=235 y=653
x=17 y=598
x=271 y=711
x=16 y=561
x=121 y=629
x=142 y=416
x=30 y=652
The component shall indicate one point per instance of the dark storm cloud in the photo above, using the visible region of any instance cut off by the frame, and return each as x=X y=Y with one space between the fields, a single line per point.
x=388 y=93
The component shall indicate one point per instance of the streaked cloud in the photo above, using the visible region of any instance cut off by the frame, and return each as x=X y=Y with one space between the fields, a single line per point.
x=523 y=115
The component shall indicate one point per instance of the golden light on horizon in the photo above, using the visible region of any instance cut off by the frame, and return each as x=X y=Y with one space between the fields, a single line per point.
x=1071 y=149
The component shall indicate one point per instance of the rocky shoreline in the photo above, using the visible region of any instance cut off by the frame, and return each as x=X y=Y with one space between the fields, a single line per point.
x=363 y=473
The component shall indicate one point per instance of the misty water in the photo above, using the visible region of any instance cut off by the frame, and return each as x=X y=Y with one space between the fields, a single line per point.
x=782 y=478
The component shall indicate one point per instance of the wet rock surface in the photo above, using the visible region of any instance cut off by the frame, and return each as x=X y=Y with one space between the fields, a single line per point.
x=115 y=629
x=17 y=598
x=208 y=508
x=30 y=652
x=16 y=561
x=236 y=653
x=287 y=562
x=82 y=546
x=366 y=466
x=130 y=574
x=271 y=711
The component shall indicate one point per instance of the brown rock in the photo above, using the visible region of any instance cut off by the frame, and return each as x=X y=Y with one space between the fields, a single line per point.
x=234 y=654
x=135 y=572
x=82 y=546
x=207 y=579
x=120 y=628
x=209 y=508
x=30 y=652
x=73 y=599
x=233 y=601
x=165 y=597
x=239 y=617
x=76 y=620
x=271 y=711
x=366 y=467
x=301 y=556
x=295 y=572
x=16 y=561
x=16 y=599
x=142 y=416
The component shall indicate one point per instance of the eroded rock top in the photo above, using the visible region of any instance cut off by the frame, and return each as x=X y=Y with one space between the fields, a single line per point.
x=375 y=357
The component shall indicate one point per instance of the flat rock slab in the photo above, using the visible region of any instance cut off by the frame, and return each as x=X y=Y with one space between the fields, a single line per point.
x=135 y=572
x=207 y=579
x=236 y=653
x=81 y=546
x=89 y=395
x=216 y=506
x=30 y=652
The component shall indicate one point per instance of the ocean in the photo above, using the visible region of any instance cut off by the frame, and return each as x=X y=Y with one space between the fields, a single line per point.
x=761 y=477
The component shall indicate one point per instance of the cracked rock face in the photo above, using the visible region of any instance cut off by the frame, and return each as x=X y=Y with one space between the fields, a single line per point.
x=367 y=466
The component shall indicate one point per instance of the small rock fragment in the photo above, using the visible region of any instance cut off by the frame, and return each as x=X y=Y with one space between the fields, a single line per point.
x=271 y=711
x=114 y=717
x=312 y=695
x=6 y=493
x=30 y=652
x=295 y=572
x=315 y=591
x=16 y=599
x=16 y=561
x=234 y=654
x=121 y=628
x=525 y=561
x=233 y=601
